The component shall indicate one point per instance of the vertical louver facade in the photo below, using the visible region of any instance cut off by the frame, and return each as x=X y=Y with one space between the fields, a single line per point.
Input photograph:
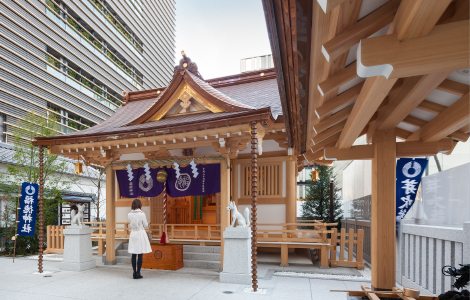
x=73 y=58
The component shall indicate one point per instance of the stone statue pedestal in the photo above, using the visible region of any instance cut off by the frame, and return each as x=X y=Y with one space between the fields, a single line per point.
x=77 y=249
x=237 y=256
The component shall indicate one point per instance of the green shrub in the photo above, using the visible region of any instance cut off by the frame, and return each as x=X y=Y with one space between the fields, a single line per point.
x=86 y=82
x=53 y=6
x=98 y=90
x=99 y=5
x=72 y=73
x=110 y=55
x=98 y=44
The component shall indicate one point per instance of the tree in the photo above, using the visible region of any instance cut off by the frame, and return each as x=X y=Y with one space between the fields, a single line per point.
x=317 y=206
x=26 y=169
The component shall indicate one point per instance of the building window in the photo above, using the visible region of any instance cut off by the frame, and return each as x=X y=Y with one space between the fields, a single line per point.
x=70 y=73
x=69 y=121
x=72 y=23
x=3 y=136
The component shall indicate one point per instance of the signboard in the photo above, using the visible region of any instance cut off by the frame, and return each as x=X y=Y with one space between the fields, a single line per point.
x=409 y=172
x=28 y=209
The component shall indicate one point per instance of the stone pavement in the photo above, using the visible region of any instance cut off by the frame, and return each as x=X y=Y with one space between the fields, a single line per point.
x=17 y=281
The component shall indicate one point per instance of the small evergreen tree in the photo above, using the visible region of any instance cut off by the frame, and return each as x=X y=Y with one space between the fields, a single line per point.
x=317 y=206
x=26 y=169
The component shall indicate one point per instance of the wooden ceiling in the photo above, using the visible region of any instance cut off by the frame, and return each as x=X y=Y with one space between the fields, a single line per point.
x=406 y=52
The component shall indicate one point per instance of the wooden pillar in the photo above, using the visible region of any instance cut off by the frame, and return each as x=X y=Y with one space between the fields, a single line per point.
x=291 y=191
x=224 y=202
x=110 y=215
x=383 y=210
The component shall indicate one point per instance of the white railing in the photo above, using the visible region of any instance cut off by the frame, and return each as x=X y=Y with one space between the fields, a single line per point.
x=422 y=251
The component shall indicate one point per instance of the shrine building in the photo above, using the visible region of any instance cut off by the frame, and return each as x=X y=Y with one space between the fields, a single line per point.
x=209 y=122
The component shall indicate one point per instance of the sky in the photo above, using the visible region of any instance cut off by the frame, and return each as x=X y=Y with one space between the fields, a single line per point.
x=216 y=34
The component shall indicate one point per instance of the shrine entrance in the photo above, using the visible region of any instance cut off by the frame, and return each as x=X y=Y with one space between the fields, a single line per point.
x=202 y=209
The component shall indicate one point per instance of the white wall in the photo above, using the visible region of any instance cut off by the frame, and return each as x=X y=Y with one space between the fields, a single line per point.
x=268 y=213
x=121 y=213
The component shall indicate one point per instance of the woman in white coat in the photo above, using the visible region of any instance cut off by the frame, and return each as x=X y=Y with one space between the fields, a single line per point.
x=138 y=239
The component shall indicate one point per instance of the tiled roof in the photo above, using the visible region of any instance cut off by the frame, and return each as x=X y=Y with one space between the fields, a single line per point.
x=217 y=93
x=241 y=100
x=258 y=94
x=7 y=153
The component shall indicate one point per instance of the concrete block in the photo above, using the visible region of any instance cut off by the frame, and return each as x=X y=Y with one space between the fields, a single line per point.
x=237 y=255
x=77 y=249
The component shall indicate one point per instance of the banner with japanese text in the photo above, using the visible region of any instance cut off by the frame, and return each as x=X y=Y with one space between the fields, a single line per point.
x=409 y=172
x=28 y=208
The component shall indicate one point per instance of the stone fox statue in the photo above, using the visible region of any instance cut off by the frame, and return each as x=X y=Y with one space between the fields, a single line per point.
x=77 y=217
x=243 y=221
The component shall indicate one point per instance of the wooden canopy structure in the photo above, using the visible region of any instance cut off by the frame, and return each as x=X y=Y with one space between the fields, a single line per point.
x=386 y=69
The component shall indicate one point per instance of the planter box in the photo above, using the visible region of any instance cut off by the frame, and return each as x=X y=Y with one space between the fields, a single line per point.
x=164 y=257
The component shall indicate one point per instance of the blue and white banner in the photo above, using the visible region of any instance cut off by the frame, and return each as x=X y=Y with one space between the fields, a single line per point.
x=409 y=173
x=28 y=208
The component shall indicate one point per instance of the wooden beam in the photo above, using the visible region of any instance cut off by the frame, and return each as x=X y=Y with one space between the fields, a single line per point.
x=416 y=18
x=453 y=87
x=407 y=98
x=328 y=5
x=323 y=162
x=329 y=132
x=446 y=48
x=324 y=143
x=408 y=24
x=402 y=133
x=432 y=107
x=447 y=122
x=403 y=149
x=415 y=149
x=311 y=156
x=338 y=79
x=372 y=94
x=342 y=99
x=361 y=30
x=383 y=215
x=457 y=135
x=360 y=152
x=333 y=120
x=224 y=202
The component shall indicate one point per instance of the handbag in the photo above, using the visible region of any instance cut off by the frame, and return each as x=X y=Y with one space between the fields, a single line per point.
x=150 y=234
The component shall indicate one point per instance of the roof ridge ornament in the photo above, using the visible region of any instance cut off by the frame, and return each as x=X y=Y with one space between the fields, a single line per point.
x=187 y=64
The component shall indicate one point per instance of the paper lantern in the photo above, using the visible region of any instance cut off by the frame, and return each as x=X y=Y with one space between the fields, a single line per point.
x=78 y=168
x=315 y=175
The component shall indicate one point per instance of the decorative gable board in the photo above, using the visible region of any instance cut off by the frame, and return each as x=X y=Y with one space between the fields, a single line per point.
x=186 y=98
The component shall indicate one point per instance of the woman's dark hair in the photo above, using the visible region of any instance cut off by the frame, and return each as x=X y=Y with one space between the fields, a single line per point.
x=136 y=204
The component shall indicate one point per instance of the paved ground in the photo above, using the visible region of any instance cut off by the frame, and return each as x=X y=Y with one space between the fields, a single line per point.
x=17 y=281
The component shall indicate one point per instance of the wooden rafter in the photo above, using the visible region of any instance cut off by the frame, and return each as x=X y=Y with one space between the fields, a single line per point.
x=334 y=119
x=447 y=122
x=407 y=24
x=410 y=95
x=340 y=100
x=338 y=79
x=361 y=30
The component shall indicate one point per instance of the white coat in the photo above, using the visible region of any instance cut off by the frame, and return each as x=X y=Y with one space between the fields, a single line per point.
x=138 y=239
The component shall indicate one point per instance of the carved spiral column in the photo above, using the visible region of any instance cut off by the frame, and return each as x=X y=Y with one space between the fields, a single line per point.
x=254 y=194
x=41 y=212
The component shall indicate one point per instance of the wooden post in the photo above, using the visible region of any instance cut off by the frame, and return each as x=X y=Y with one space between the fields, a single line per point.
x=383 y=210
x=110 y=216
x=291 y=192
x=41 y=212
x=224 y=202
x=254 y=195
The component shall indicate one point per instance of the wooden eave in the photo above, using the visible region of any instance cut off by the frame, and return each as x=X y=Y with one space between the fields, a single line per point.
x=263 y=116
x=247 y=77
x=382 y=103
